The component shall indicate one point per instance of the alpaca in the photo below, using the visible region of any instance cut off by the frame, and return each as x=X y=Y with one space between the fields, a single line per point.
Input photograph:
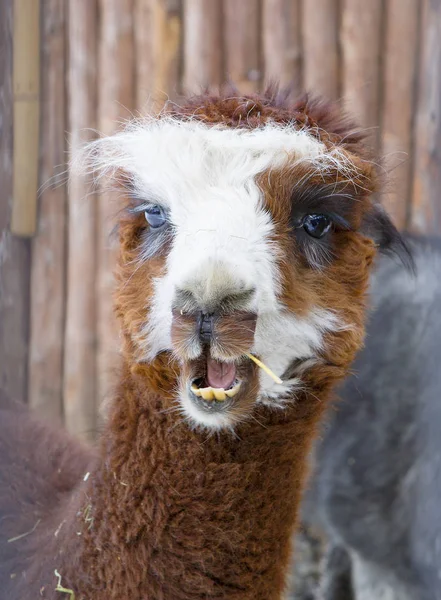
x=247 y=230
x=376 y=490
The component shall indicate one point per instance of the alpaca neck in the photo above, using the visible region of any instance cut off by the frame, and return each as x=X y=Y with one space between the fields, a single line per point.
x=173 y=513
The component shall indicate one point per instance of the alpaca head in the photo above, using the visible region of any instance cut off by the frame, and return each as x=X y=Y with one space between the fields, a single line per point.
x=248 y=228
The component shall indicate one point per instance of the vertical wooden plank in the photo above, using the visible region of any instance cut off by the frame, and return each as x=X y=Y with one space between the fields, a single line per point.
x=14 y=252
x=361 y=37
x=426 y=204
x=293 y=54
x=241 y=44
x=399 y=79
x=158 y=37
x=320 y=21
x=26 y=83
x=80 y=332
x=115 y=100
x=202 y=44
x=281 y=42
x=49 y=245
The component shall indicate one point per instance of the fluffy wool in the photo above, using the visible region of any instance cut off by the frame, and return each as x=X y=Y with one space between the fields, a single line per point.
x=377 y=487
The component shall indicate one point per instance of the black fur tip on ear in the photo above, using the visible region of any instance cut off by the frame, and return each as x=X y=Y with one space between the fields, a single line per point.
x=378 y=226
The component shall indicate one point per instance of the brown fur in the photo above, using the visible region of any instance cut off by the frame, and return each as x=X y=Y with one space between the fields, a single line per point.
x=169 y=513
x=323 y=119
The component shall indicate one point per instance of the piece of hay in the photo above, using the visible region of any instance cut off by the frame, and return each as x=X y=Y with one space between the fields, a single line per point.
x=267 y=370
x=62 y=589
x=87 y=514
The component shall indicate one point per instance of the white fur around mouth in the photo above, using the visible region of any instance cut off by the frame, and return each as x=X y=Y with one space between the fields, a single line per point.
x=219 y=394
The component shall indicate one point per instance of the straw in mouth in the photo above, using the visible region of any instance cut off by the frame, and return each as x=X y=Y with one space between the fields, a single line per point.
x=267 y=370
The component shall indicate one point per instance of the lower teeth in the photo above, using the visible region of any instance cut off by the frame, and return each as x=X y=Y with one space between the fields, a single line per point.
x=219 y=394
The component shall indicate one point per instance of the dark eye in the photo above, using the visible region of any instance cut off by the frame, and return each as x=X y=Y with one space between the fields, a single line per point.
x=155 y=216
x=316 y=225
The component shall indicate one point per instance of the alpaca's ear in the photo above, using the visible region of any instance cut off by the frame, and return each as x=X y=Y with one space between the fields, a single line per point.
x=378 y=226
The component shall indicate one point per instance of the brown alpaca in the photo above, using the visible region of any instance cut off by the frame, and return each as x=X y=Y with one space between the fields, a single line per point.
x=248 y=228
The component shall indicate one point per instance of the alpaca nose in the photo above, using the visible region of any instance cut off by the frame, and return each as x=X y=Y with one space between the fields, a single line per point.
x=214 y=287
x=213 y=307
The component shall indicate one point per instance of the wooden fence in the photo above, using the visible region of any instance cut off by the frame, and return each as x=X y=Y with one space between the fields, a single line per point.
x=103 y=60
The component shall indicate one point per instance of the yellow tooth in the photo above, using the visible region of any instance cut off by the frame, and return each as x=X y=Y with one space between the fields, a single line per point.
x=196 y=391
x=233 y=391
x=219 y=394
x=207 y=393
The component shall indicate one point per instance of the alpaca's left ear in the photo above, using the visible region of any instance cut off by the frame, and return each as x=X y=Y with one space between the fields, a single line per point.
x=378 y=226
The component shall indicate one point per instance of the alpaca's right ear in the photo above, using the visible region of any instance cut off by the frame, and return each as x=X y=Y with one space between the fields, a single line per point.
x=378 y=226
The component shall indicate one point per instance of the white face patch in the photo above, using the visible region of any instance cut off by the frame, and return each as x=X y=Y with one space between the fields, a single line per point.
x=205 y=179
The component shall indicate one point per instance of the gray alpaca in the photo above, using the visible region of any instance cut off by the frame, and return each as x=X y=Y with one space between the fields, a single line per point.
x=377 y=488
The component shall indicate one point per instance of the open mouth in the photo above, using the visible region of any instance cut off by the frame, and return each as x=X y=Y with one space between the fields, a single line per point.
x=215 y=382
x=218 y=393
x=219 y=382
x=216 y=387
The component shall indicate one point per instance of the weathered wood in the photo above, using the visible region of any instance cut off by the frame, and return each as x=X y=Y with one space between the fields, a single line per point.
x=281 y=42
x=320 y=47
x=26 y=84
x=14 y=252
x=399 y=79
x=49 y=245
x=426 y=204
x=158 y=50
x=241 y=44
x=80 y=333
x=202 y=44
x=116 y=91
x=361 y=47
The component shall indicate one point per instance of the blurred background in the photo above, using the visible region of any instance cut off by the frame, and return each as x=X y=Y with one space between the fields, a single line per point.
x=70 y=68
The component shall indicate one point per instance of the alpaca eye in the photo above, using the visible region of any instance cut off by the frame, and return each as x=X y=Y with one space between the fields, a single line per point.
x=316 y=225
x=155 y=217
